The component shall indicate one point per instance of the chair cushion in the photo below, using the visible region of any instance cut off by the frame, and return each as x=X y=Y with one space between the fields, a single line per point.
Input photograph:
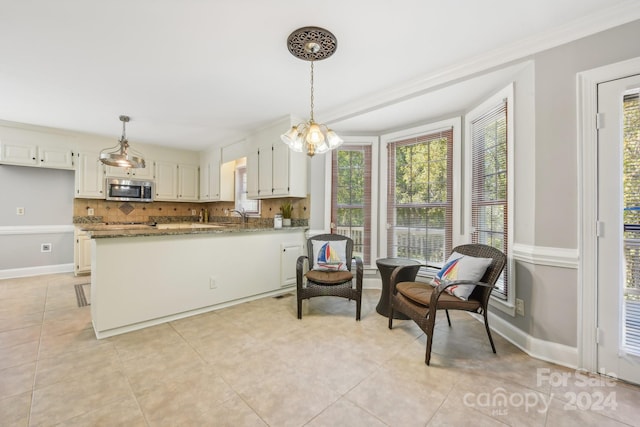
x=420 y=293
x=329 y=255
x=329 y=277
x=462 y=267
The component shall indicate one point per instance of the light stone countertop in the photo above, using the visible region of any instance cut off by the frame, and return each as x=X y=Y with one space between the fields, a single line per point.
x=99 y=231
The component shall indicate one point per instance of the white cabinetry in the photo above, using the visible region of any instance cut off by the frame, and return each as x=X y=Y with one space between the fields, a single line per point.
x=33 y=155
x=273 y=170
x=289 y=253
x=89 y=180
x=138 y=173
x=216 y=179
x=253 y=178
x=188 y=179
x=176 y=181
x=166 y=174
x=82 y=252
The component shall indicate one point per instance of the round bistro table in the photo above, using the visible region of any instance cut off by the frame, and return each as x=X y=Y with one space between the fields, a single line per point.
x=386 y=267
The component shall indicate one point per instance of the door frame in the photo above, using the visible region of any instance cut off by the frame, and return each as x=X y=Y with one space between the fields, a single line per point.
x=587 y=108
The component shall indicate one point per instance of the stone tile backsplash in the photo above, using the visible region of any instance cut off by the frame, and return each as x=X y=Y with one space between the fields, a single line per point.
x=124 y=212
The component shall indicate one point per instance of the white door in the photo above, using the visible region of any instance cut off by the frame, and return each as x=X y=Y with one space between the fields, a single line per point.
x=619 y=229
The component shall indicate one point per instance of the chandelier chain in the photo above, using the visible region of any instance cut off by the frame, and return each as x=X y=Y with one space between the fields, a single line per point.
x=312 y=92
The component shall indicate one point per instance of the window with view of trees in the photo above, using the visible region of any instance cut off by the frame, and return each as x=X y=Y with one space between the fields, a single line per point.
x=351 y=196
x=419 y=199
x=489 y=189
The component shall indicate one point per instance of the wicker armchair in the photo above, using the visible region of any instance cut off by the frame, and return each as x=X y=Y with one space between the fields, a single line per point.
x=329 y=283
x=417 y=299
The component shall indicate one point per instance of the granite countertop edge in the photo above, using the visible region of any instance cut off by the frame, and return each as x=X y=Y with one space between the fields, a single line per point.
x=150 y=231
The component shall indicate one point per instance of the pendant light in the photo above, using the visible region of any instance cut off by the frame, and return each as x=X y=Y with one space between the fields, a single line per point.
x=122 y=155
x=311 y=44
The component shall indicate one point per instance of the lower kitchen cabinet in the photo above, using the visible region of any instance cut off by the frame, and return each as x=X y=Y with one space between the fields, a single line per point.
x=180 y=275
x=82 y=252
x=289 y=253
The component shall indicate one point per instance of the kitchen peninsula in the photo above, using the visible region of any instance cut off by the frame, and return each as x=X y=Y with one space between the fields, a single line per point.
x=150 y=275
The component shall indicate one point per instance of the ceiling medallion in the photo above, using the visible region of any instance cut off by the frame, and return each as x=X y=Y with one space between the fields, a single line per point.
x=312 y=43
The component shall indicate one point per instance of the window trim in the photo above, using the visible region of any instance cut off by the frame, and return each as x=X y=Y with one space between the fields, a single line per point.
x=508 y=305
x=239 y=169
x=386 y=139
x=371 y=141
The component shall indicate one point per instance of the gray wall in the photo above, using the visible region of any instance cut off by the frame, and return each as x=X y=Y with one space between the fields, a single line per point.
x=47 y=198
x=550 y=293
x=556 y=127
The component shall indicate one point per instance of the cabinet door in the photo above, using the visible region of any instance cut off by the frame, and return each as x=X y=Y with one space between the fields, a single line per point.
x=205 y=174
x=253 y=174
x=188 y=178
x=55 y=158
x=89 y=176
x=280 y=173
x=117 y=172
x=289 y=253
x=138 y=173
x=82 y=253
x=265 y=170
x=210 y=176
x=143 y=173
x=227 y=182
x=13 y=154
x=166 y=174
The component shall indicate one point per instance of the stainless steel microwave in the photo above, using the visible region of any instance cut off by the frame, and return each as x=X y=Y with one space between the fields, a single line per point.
x=129 y=190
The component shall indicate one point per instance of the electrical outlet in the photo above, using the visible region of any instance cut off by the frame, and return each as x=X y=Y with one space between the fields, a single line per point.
x=45 y=247
x=90 y=211
x=193 y=212
x=19 y=211
x=519 y=307
x=212 y=283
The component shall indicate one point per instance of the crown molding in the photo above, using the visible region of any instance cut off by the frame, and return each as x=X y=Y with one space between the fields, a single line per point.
x=520 y=50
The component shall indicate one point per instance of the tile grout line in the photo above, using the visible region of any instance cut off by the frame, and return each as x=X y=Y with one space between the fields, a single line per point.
x=135 y=397
x=35 y=371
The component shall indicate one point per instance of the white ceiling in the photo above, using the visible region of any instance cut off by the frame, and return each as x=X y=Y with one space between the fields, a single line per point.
x=195 y=73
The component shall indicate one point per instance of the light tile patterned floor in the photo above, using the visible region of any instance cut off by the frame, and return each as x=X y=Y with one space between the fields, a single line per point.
x=256 y=364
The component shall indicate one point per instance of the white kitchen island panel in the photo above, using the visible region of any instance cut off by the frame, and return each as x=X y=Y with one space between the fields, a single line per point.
x=142 y=281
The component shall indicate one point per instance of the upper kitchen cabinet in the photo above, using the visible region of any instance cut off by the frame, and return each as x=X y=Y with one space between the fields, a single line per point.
x=90 y=174
x=36 y=156
x=216 y=178
x=137 y=173
x=176 y=181
x=272 y=169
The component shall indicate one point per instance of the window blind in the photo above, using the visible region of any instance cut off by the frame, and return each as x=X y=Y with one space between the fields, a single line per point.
x=631 y=217
x=351 y=197
x=420 y=197
x=489 y=201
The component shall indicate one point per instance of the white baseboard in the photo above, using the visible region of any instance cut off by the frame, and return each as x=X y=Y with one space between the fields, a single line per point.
x=559 y=354
x=36 y=271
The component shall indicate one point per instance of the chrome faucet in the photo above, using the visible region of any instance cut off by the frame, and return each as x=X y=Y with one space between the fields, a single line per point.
x=242 y=213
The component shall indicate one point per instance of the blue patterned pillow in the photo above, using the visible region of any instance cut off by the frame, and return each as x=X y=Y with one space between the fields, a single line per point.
x=461 y=267
x=329 y=256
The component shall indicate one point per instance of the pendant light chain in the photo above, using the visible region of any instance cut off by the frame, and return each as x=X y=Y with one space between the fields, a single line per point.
x=124 y=130
x=312 y=92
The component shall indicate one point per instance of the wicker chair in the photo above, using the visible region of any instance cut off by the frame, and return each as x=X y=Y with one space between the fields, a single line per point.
x=329 y=283
x=416 y=299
